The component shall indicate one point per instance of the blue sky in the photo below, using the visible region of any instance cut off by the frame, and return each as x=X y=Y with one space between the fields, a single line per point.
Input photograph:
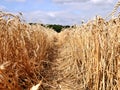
x=65 y=12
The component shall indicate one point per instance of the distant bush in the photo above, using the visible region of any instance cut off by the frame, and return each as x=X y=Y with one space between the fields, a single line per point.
x=58 y=28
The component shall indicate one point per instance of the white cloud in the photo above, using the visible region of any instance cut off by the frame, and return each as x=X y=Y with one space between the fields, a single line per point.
x=53 y=17
x=69 y=1
x=2 y=8
x=102 y=1
x=51 y=14
x=70 y=12
x=15 y=0
x=83 y=1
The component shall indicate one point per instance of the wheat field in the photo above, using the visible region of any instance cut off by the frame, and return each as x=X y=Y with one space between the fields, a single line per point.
x=85 y=57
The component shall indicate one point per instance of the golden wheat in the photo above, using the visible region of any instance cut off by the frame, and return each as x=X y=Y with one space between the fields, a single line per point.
x=85 y=57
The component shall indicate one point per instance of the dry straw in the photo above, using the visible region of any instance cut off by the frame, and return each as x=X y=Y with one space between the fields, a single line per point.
x=89 y=56
x=25 y=54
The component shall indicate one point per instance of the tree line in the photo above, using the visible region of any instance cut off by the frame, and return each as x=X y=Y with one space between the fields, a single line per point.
x=56 y=27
